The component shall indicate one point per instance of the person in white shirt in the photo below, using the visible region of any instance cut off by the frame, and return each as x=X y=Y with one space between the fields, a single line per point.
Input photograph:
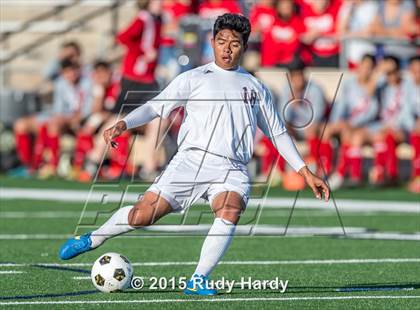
x=223 y=105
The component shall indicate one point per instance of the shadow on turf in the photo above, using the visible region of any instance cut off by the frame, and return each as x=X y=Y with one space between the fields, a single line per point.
x=307 y=289
x=337 y=289
x=49 y=295
x=60 y=268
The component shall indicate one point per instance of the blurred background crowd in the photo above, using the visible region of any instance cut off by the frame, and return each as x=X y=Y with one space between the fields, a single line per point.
x=366 y=131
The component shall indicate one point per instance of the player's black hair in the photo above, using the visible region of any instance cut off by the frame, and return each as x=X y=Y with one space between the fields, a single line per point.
x=394 y=59
x=296 y=65
x=68 y=63
x=143 y=4
x=414 y=59
x=369 y=57
x=74 y=45
x=236 y=22
x=101 y=64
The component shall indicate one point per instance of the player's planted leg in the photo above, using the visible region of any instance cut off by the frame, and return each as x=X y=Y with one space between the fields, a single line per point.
x=227 y=207
x=147 y=211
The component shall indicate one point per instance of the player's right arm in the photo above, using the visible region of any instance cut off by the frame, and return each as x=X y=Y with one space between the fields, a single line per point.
x=173 y=96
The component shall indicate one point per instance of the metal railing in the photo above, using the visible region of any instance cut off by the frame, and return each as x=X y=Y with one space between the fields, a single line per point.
x=77 y=23
x=45 y=15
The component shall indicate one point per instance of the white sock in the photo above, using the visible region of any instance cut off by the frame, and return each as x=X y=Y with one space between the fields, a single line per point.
x=215 y=245
x=116 y=225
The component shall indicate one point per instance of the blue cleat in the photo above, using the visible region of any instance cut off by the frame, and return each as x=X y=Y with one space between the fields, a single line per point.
x=75 y=246
x=199 y=285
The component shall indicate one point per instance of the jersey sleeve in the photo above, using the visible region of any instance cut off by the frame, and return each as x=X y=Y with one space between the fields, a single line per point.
x=175 y=95
x=268 y=119
x=132 y=34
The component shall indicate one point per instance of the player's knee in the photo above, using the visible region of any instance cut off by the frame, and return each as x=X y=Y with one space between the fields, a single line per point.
x=230 y=213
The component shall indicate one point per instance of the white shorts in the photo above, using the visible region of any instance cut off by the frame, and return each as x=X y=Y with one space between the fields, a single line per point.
x=189 y=177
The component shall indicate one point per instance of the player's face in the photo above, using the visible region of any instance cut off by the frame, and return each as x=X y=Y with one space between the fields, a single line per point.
x=228 y=48
x=71 y=74
x=285 y=8
x=391 y=71
x=365 y=68
x=102 y=76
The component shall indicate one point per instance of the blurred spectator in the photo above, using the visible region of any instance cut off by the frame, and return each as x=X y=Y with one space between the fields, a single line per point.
x=319 y=18
x=138 y=84
x=141 y=39
x=355 y=22
x=68 y=50
x=395 y=119
x=303 y=106
x=280 y=43
x=105 y=93
x=173 y=12
x=414 y=70
x=262 y=16
x=71 y=102
x=396 y=20
x=417 y=22
x=211 y=9
x=356 y=107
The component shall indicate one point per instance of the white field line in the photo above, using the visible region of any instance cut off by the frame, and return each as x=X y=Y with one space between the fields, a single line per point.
x=42 y=214
x=277 y=232
x=11 y=271
x=202 y=229
x=269 y=262
x=39 y=214
x=82 y=278
x=206 y=300
x=269 y=202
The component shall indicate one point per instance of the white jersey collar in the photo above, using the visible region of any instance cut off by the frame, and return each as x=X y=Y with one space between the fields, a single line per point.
x=214 y=66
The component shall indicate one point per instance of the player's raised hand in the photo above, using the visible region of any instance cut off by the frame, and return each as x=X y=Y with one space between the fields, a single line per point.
x=115 y=131
x=318 y=186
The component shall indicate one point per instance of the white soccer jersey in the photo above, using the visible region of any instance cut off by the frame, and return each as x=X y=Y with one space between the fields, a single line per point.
x=222 y=110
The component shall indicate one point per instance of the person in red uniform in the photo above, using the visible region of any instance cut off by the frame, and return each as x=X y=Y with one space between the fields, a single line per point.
x=262 y=16
x=281 y=42
x=213 y=8
x=319 y=18
x=141 y=39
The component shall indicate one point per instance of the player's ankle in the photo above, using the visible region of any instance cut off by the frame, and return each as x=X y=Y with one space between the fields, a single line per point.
x=96 y=240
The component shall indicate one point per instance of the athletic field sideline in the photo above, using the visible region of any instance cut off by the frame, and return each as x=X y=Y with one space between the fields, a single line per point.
x=365 y=258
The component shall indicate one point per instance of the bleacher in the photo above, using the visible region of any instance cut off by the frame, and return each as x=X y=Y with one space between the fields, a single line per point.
x=31 y=34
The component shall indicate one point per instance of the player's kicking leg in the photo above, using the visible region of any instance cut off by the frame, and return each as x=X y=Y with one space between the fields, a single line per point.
x=227 y=207
x=144 y=213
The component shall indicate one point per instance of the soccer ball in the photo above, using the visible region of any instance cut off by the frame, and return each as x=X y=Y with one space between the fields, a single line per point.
x=111 y=272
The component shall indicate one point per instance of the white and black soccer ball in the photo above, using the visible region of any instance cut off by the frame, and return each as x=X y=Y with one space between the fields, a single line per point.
x=111 y=272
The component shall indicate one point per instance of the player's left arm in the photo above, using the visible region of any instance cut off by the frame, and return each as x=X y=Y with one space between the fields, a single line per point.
x=270 y=123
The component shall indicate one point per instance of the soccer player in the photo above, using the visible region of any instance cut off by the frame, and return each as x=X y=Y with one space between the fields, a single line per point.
x=414 y=185
x=224 y=104
x=356 y=107
x=395 y=121
x=71 y=100
x=304 y=106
